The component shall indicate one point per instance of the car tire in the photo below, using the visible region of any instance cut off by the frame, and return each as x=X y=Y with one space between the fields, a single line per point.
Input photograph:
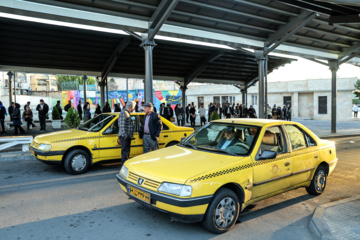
x=318 y=183
x=170 y=144
x=77 y=161
x=223 y=212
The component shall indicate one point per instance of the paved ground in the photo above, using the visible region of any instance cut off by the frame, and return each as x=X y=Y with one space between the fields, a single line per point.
x=44 y=202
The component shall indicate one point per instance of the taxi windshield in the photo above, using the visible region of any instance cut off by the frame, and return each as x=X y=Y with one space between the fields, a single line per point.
x=97 y=123
x=232 y=139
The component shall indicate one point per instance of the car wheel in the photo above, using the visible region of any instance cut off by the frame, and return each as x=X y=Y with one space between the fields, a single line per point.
x=77 y=161
x=172 y=144
x=222 y=212
x=318 y=183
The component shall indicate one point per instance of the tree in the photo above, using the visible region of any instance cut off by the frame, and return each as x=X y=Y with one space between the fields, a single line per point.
x=357 y=87
x=72 y=82
x=72 y=119
x=55 y=113
x=214 y=116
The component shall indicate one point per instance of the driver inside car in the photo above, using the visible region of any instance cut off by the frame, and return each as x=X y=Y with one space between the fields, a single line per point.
x=229 y=139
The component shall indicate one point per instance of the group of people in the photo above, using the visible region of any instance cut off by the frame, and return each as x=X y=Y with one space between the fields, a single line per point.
x=279 y=113
x=16 y=118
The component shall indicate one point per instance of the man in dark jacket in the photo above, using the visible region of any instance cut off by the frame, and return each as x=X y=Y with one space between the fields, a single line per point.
x=187 y=111
x=169 y=112
x=106 y=108
x=244 y=111
x=163 y=110
x=58 y=106
x=228 y=111
x=67 y=106
x=219 y=110
x=252 y=112
x=43 y=110
x=79 y=110
x=2 y=117
x=151 y=129
x=11 y=110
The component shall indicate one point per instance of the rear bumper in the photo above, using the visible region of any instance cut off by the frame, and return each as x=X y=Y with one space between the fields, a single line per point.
x=332 y=165
x=187 y=210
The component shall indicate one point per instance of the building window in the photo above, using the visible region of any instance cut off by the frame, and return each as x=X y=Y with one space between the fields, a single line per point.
x=41 y=82
x=323 y=105
x=287 y=101
x=254 y=100
x=216 y=100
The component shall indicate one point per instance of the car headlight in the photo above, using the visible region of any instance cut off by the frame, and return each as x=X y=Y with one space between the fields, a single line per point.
x=176 y=189
x=124 y=171
x=44 y=147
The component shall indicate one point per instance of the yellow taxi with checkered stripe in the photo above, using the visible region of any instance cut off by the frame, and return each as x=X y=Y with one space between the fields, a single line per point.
x=96 y=141
x=215 y=173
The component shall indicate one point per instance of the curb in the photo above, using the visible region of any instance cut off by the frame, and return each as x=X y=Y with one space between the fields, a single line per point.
x=340 y=136
x=318 y=226
x=16 y=156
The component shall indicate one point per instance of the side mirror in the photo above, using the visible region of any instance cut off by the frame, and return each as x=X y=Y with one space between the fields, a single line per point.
x=267 y=155
x=108 y=131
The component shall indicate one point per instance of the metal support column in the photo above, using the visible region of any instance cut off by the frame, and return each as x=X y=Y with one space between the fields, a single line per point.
x=266 y=86
x=85 y=87
x=334 y=66
x=107 y=90
x=183 y=96
x=148 y=84
x=127 y=89
x=14 y=86
x=10 y=74
x=260 y=58
x=244 y=96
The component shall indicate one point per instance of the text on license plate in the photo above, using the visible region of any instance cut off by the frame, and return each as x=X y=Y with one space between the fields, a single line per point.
x=139 y=194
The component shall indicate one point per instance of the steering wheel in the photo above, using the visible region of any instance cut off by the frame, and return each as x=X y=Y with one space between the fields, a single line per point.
x=244 y=145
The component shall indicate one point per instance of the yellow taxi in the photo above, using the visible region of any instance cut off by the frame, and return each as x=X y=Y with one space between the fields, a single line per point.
x=96 y=141
x=215 y=173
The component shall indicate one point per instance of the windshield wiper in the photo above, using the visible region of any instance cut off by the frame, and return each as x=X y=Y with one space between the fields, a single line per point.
x=83 y=128
x=189 y=144
x=223 y=150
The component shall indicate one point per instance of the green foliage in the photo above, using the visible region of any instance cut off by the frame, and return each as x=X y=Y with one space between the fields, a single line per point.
x=72 y=119
x=357 y=87
x=76 y=80
x=55 y=113
x=214 y=116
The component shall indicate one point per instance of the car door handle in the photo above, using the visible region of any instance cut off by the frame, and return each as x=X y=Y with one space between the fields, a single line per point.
x=166 y=136
x=316 y=156
x=132 y=138
x=287 y=164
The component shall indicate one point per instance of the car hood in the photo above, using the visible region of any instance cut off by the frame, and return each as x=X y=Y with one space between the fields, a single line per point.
x=61 y=135
x=177 y=164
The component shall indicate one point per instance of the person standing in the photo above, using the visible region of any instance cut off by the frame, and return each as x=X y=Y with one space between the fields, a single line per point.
x=66 y=108
x=28 y=117
x=117 y=108
x=27 y=105
x=43 y=110
x=202 y=112
x=355 y=110
x=187 y=111
x=278 y=113
x=11 y=110
x=209 y=113
x=218 y=109
x=58 y=106
x=169 y=112
x=3 y=114
x=17 y=119
x=228 y=111
x=163 y=110
x=274 y=112
x=288 y=113
x=86 y=111
x=126 y=129
x=252 y=112
x=80 y=111
x=97 y=110
x=237 y=111
x=137 y=106
x=192 y=115
x=244 y=111
x=106 y=108
x=180 y=115
x=152 y=127
x=268 y=111
x=283 y=113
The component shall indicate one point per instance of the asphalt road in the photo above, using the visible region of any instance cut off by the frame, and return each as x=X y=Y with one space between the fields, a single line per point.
x=44 y=202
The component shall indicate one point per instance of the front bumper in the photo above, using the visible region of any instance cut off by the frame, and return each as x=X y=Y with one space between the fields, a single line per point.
x=48 y=157
x=187 y=210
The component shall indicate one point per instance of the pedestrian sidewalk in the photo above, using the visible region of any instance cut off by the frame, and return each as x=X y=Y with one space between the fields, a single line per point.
x=337 y=220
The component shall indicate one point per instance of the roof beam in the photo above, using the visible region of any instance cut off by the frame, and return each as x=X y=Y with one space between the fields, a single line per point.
x=138 y=37
x=288 y=30
x=354 y=18
x=252 y=82
x=349 y=53
x=202 y=66
x=114 y=57
x=159 y=16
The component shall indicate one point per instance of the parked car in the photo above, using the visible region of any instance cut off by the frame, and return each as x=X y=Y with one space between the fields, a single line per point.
x=96 y=141
x=219 y=170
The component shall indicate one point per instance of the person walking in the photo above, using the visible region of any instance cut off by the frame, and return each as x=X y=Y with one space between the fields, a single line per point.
x=187 y=111
x=3 y=114
x=11 y=110
x=17 y=120
x=152 y=127
x=274 y=112
x=126 y=129
x=192 y=115
x=355 y=109
x=58 y=106
x=252 y=112
x=106 y=108
x=180 y=115
x=80 y=111
x=43 y=110
x=66 y=108
x=28 y=117
x=288 y=113
x=202 y=112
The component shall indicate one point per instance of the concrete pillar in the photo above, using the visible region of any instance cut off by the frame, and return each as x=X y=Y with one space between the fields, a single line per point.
x=295 y=105
x=244 y=96
x=183 y=96
x=334 y=66
x=261 y=59
x=10 y=74
x=85 y=88
x=148 y=84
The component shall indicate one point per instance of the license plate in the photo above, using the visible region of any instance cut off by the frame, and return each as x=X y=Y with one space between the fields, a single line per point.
x=144 y=196
x=32 y=152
